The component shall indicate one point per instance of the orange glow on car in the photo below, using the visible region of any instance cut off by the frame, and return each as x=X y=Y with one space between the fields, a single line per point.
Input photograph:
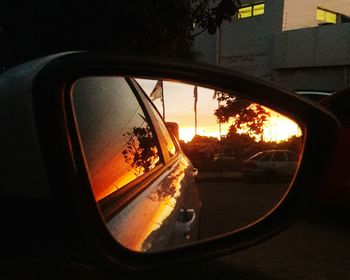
x=115 y=174
x=134 y=226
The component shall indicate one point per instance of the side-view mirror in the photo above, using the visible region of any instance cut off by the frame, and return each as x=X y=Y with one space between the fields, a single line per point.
x=228 y=163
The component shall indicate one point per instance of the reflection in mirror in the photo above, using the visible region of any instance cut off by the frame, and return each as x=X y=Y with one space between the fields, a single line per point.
x=116 y=135
x=210 y=163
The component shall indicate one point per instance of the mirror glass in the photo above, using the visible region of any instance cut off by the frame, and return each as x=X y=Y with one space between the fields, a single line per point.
x=171 y=164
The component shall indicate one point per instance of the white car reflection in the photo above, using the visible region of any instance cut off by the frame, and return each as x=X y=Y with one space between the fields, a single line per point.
x=271 y=165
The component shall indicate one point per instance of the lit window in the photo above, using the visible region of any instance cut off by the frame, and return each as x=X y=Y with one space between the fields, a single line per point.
x=245 y=12
x=258 y=9
x=331 y=17
x=251 y=10
x=320 y=15
x=326 y=16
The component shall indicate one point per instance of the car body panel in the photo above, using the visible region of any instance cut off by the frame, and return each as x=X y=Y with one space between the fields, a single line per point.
x=152 y=221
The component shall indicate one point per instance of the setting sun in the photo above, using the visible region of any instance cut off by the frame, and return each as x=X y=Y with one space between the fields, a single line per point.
x=179 y=104
x=186 y=133
x=277 y=128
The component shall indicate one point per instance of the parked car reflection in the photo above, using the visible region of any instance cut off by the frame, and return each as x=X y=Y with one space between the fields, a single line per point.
x=271 y=165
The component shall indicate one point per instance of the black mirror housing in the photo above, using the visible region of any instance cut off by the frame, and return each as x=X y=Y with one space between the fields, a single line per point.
x=61 y=178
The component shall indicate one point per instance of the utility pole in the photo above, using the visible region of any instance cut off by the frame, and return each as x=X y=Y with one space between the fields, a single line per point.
x=218 y=62
x=195 y=96
x=163 y=101
x=218 y=46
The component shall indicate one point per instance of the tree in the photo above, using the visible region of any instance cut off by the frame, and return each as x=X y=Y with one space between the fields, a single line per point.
x=201 y=139
x=141 y=151
x=247 y=116
x=294 y=143
x=242 y=144
x=162 y=27
x=207 y=17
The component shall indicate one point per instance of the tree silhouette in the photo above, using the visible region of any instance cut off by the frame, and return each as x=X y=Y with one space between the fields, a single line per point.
x=161 y=27
x=141 y=151
x=246 y=115
x=241 y=144
x=207 y=17
x=198 y=139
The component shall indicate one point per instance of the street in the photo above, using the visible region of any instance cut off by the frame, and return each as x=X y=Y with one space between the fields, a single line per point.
x=315 y=247
x=230 y=205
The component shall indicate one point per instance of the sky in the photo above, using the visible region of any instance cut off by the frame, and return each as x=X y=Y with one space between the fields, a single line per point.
x=179 y=108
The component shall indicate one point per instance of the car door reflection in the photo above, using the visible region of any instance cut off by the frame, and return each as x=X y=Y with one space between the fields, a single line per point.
x=151 y=222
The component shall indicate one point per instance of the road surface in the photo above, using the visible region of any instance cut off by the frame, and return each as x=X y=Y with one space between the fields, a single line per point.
x=230 y=205
x=317 y=246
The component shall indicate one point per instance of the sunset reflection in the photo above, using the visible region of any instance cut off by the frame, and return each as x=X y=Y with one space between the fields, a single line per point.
x=141 y=155
x=179 y=104
x=278 y=128
x=116 y=136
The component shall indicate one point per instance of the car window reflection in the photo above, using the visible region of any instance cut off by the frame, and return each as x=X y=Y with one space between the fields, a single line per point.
x=171 y=148
x=116 y=136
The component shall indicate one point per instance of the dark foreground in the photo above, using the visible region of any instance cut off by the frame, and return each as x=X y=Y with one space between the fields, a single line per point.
x=315 y=247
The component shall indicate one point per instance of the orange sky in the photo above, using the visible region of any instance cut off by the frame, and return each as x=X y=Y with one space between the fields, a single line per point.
x=179 y=107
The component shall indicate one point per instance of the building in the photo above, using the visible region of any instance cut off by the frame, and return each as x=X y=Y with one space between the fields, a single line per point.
x=300 y=44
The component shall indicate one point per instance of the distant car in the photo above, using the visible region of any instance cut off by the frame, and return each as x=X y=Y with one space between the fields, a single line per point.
x=222 y=157
x=270 y=165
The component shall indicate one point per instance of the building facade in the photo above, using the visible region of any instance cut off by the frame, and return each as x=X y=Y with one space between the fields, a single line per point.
x=300 y=44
